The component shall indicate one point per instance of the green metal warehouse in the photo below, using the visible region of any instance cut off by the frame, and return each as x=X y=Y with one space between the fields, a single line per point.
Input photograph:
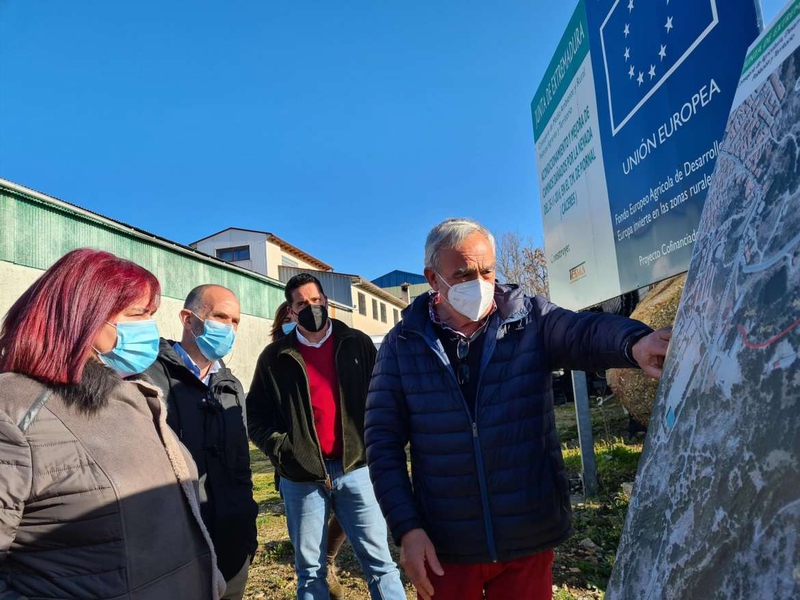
x=36 y=230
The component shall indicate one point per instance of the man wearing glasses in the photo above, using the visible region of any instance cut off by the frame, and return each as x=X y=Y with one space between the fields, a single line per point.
x=465 y=379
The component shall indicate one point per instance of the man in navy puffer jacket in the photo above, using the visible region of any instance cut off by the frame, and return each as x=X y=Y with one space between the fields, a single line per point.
x=465 y=378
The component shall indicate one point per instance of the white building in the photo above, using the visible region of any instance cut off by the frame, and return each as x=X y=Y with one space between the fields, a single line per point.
x=258 y=251
x=352 y=299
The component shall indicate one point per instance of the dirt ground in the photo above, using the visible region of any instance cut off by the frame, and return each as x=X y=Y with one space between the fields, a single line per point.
x=582 y=565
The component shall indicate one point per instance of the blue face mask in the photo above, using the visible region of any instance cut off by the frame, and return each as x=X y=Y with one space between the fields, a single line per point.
x=216 y=340
x=136 y=348
x=287 y=327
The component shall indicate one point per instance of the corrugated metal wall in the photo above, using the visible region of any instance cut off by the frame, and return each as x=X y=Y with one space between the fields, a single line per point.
x=338 y=287
x=35 y=234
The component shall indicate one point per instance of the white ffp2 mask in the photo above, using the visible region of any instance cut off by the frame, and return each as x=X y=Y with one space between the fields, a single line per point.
x=471 y=298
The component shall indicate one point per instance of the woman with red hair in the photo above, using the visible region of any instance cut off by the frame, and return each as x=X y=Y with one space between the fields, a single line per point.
x=97 y=497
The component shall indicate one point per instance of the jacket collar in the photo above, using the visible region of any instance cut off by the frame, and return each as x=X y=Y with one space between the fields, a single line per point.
x=512 y=305
x=173 y=361
x=98 y=384
x=145 y=386
x=288 y=344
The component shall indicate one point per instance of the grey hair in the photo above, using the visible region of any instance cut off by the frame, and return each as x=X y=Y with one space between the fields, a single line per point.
x=449 y=234
x=194 y=301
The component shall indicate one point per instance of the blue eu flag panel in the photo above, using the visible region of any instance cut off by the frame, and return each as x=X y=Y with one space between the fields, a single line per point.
x=627 y=121
x=666 y=72
x=644 y=42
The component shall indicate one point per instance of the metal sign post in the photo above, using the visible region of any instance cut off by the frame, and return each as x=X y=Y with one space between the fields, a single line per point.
x=585 y=438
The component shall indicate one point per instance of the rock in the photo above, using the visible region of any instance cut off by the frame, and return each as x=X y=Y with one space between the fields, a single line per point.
x=608 y=457
x=627 y=489
x=588 y=544
x=635 y=390
x=574 y=570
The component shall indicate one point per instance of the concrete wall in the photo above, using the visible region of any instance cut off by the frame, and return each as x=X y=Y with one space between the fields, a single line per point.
x=15 y=280
x=251 y=339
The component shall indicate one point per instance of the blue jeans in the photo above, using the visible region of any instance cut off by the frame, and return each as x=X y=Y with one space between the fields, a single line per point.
x=352 y=499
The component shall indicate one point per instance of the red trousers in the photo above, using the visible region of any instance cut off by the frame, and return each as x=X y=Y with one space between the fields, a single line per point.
x=529 y=578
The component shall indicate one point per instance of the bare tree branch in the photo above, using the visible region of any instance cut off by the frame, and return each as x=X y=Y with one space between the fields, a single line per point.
x=520 y=261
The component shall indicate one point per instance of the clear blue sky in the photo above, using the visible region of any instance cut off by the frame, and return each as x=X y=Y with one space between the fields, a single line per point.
x=347 y=128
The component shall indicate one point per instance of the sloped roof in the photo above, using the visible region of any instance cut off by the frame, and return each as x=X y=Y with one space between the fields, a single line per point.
x=355 y=280
x=281 y=243
x=396 y=278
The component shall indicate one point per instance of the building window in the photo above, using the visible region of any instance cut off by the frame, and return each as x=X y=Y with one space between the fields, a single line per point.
x=362 y=304
x=383 y=313
x=288 y=262
x=234 y=254
x=396 y=316
x=374 y=309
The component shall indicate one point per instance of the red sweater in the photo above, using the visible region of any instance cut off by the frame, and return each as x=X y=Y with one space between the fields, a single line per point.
x=323 y=384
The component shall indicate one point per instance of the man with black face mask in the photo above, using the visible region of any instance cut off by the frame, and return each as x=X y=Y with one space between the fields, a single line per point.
x=305 y=411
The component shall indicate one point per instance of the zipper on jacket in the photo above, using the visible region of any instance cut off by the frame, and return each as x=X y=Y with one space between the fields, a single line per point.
x=476 y=444
x=328 y=484
x=341 y=399
x=487 y=520
x=476 y=441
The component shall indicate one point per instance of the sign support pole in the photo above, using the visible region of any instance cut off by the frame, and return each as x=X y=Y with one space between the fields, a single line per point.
x=585 y=438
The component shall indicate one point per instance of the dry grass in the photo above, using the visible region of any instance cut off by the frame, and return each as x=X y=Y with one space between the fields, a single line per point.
x=578 y=572
x=272 y=572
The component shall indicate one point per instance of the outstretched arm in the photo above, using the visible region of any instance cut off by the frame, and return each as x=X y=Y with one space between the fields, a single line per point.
x=589 y=341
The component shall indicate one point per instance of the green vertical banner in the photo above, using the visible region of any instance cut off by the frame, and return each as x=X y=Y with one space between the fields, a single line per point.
x=582 y=262
x=572 y=49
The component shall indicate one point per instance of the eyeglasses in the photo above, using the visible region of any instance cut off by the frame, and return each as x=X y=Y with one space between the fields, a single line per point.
x=462 y=349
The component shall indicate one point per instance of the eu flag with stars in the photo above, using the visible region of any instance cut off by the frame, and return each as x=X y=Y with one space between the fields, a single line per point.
x=644 y=42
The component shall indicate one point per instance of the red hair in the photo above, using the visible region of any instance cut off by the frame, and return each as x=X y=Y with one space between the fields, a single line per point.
x=48 y=333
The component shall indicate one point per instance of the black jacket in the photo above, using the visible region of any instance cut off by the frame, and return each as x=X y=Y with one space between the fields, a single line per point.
x=210 y=423
x=279 y=414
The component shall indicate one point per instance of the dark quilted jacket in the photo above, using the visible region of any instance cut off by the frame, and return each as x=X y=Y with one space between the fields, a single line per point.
x=209 y=422
x=495 y=488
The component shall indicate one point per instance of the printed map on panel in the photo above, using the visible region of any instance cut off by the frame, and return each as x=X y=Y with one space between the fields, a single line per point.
x=715 y=512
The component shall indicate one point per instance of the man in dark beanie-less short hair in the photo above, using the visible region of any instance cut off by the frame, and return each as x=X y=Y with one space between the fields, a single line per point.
x=464 y=382
x=204 y=407
x=305 y=411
